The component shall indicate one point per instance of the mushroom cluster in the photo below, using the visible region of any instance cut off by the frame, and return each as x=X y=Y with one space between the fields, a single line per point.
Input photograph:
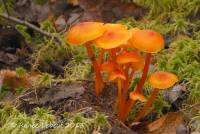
x=123 y=53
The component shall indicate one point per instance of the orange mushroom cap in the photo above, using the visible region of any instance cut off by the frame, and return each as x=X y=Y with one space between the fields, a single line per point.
x=128 y=56
x=162 y=80
x=134 y=30
x=84 y=32
x=137 y=65
x=117 y=74
x=114 y=36
x=137 y=96
x=129 y=44
x=109 y=66
x=147 y=41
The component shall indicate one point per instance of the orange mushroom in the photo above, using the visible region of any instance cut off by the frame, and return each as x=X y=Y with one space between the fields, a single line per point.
x=136 y=66
x=84 y=33
x=136 y=96
x=147 y=41
x=128 y=57
x=128 y=45
x=117 y=75
x=150 y=42
x=114 y=36
x=109 y=66
x=158 y=80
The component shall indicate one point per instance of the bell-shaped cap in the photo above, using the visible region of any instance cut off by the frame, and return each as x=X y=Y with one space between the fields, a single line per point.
x=147 y=41
x=114 y=36
x=84 y=32
x=162 y=80
x=109 y=66
x=136 y=66
x=117 y=74
x=128 y=57
x=137 y=96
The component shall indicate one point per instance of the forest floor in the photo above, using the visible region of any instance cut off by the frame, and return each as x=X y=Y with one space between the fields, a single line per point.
x=69 y=88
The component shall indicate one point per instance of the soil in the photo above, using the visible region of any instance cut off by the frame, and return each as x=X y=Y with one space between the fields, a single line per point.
x=78 y=97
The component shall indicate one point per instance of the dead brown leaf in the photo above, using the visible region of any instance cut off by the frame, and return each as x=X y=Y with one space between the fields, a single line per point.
x=60 y=92
x=167 y=124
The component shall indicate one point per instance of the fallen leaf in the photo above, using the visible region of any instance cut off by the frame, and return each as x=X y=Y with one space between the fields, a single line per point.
x=167 y=124
x=73 y=18
x=60 y=23
x=60 y=92
x=173 y=94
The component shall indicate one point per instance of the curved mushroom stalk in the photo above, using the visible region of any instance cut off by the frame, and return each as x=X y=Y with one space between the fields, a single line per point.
x=118 y=75
x=147 y=105
x=98 y=79
x=159 y=80
x=84 y=33
x=134 y=96
x=144 y=73
x=100 y=57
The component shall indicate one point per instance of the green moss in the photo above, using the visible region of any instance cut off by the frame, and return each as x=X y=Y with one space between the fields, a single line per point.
x=14 y=122
x=181 y=60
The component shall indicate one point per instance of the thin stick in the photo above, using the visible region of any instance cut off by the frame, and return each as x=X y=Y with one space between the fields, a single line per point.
x=25 y=23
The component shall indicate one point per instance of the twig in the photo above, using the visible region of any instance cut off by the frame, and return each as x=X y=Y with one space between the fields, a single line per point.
x=25 y=23
x=24 y=95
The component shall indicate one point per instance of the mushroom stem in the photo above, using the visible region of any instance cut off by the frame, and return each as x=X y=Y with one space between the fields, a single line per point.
x=100 y=58
x=145 y=72
x=131 y=76
x=119 y=89
x=148 y=104
x=130 y=103
x=126 y=82
x=112 y=53
x=121 y=107
x=98 y=79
